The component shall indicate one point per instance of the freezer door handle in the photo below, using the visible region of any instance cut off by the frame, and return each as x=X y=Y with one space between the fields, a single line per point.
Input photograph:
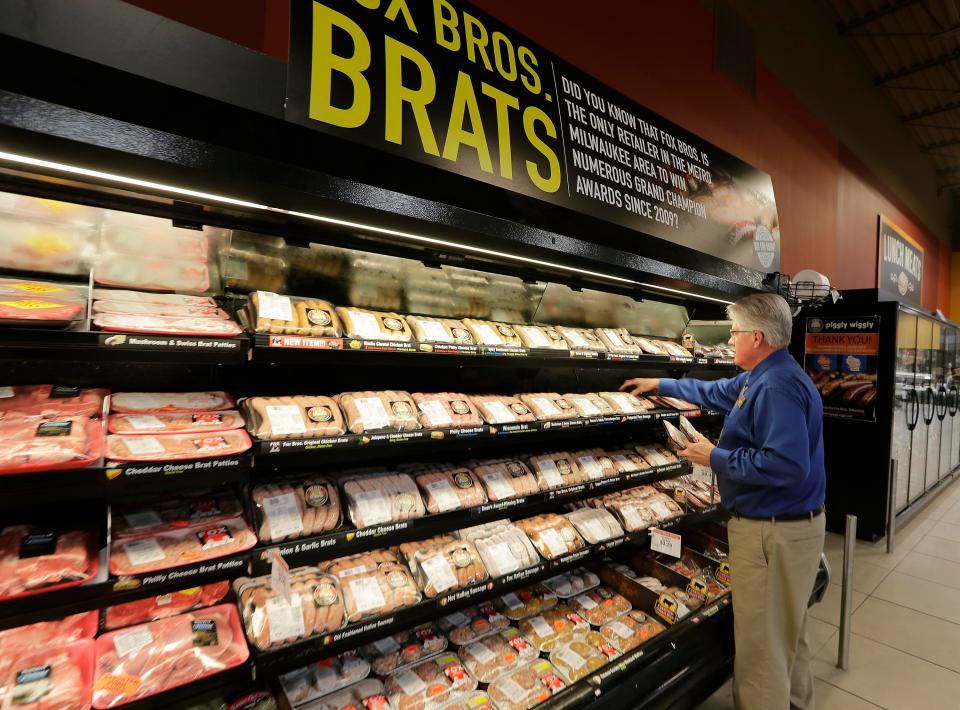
x=911 y=409
x=952 y=402
x=941 y=400
x=928 y=399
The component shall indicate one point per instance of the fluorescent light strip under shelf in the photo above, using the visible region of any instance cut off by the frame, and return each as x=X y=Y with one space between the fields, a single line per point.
x=161 y=187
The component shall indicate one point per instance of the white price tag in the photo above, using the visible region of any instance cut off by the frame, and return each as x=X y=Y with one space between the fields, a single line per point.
x=438 y=571
x=625 y=462
x=143 y=519
x=286 y=419
x=620 y=629
x=632 y=518
x=624 y=402
x=286 y=620
x=479 y=651
x=499 y=486
x=546 y=406
x=570 y=658
x=613 y=337
x=143 y=445
x=443 y=495
x=665 y=542
x=367 y=595
x=503 y=558
x=274 y=307
x=485 y=334
x=373 y=508
x=144 y=552
x=372 y=413
x=591 y=467
x=280 y=577
x=661 y=510
x=536 y=336
x=577 y=340
x=541 y=627
x=457 y=619
x=586 y=602
x=434 y=332
x=548 y=469
x=127 y=642
x=586 y=407
x=143 y=421
x=595 y=528
x=387 y=645
x=512 y=601
x=410 y=683
x=435 y=413
x=364 y=325
x=500 y=413
x=554 y=543
x=283 y=516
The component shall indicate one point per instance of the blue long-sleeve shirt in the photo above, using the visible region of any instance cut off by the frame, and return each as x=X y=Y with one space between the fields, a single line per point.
x=769 y=460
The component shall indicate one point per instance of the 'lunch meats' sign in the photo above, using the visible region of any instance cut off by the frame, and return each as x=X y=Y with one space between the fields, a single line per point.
x=443 y=83
x=899 y=264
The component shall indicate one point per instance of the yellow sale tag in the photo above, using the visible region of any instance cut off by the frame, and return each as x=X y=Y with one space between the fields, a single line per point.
x=31 y=305
x=38 y=288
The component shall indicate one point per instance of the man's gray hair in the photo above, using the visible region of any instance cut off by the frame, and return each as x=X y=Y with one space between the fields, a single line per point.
x=766 y=312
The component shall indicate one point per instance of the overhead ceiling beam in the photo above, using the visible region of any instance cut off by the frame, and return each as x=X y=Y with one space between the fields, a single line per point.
x=874 y=15
x=932 y=147
x=918 y=67
x=926 y=113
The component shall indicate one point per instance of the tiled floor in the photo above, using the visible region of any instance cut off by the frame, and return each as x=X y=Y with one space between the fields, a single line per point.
x=905 y=645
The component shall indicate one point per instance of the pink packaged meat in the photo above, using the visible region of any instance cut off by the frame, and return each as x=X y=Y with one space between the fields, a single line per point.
x=47 y=290
x=37 y=311
x=168 y=447
x=163 y=606
x=163 y=299
x=148 y=659
x=48 y=678
x=169 y=402
x=174 y=423
x=174 y=547
x=173 y=512
x=155 y=273
x=210 y=327
x=33 y=560
x=48 y=633
x=132 y=308
x=52 y=401
x=29 y=444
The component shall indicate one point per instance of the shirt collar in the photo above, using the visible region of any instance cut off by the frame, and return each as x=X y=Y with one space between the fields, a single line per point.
x=774 y=358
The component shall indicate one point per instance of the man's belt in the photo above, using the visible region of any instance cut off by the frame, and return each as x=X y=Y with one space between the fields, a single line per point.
x=783 y=518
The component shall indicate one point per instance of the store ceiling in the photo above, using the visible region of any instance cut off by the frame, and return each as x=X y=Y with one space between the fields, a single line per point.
x=913 y=47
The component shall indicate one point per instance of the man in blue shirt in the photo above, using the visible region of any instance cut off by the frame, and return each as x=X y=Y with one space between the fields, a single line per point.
x=769 y=467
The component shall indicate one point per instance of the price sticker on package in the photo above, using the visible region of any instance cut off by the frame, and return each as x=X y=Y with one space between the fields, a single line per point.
x=666 y=542
x=280 y=576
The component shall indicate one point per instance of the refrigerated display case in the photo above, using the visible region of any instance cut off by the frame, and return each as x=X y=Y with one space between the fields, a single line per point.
x=913 y=425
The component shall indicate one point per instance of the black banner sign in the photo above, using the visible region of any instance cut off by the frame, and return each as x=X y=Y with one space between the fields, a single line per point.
x=899 y=264
x=445 y=84
x=840 y=356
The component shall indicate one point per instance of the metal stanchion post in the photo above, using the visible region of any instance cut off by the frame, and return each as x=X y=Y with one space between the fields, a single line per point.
x=846 y=601
x=892 y=507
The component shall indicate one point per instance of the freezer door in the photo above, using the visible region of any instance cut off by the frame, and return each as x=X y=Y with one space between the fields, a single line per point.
x=946 y=428
x=906 y=408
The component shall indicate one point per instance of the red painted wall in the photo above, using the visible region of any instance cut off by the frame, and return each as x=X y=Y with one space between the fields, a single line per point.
x=661 y=55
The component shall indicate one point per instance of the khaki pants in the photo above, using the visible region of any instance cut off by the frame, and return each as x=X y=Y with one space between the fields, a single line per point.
x=773 y=568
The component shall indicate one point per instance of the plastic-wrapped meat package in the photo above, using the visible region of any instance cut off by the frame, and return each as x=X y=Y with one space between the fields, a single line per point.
x=344 y=567
x=164 y=605
x=600 y=605
x=173 y=512
x=439 y=330
x=378 y=411
x=183 y=325
x=525 y=603
x=316 y=607
x=646 y=345
x=428 y=683
x=177 y=423
x=627 y=461
x=673 y=348
x=589 y=404
x=499 y=653
x=657 y=455
x=502 y=409
x=367 y=694
x=383 y=499
x=295 y=509
x=57 y=677
x=51 y=401
x=594 y=464
x=298 y=417
x=549 y=406
x=323 y=677
x=403 y=649
x=595 y=524
x=444 y=566
x=38 y=311
x=581 y=339
x=34 y=560
x=379 y=592
x=618 y=340
x=535 y=336
x=552 y=627
x=552 y=535
x=175 y=547
x=374 y=325
x=453 y=489
x=292 y=315
x=625 y=403
x=445 y=410
x=526 y=687
x=134 y=308
x=151 y=236
x=492 y=333
x=47 y=633
x=507 y=479
x=148 y=659
x=52 y=247
x=675 y=403
x=29 y=443
x=503 y=547
x=172 y=447
x=470 y=624
x=169 y=402
x=556 y=470
x=689 y=431
x=147 y=297
x=144 y=271
x=477 y=700
x=578 y=658
x=630 y=630
x=572 y=583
